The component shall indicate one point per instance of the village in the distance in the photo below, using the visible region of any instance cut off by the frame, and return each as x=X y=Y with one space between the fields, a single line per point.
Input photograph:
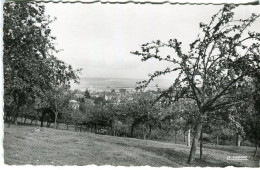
x=114 y=95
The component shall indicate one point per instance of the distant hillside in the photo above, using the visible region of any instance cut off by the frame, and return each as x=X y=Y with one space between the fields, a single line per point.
x=116 y=83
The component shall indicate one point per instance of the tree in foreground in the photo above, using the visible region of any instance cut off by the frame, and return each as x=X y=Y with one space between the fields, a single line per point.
x=224 y=54
x=30 y=68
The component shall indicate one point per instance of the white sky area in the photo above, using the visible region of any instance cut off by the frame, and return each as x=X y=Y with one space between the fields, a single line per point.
x=99 y=38
x=179 y=1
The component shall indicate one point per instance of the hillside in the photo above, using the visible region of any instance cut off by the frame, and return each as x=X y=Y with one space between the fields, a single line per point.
x=47 y=146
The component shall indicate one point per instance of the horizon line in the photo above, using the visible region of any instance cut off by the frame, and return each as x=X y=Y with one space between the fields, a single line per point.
x=122 y=78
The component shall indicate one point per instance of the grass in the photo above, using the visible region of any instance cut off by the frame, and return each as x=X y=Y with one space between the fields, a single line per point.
x=24 y=144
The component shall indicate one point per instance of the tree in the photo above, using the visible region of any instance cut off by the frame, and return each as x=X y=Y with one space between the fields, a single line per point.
x=140 y=111
x=100 y=100
x=179 y=117
x=84 y=114
x=253 y=120
x=59 y=102
x=87 y=94
x=250 y=119
x=122 y=90
x=221 y=57
x=30 y=67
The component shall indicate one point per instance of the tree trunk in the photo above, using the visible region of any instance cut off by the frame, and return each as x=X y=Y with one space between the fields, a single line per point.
x=195 y=142
x=256 y=148
x=24 y=121
x=9 y=122
x=55 y=121
x=75 y=127
x=238 y=140
x=41 y=122
x=150 y=132
x=132 y=130
x=80 y=127
x=144 y=133
x=217 y=141
x=42 y=117
x=184 y=137
x=14 y=120
x=201 y=143
x=95 y=128
x=111 y=129
x=31 y=121
x=188 y=138
x=16 y=115
x=57 y=125
x=114 y=130
x=5 y=119
x=175 y=137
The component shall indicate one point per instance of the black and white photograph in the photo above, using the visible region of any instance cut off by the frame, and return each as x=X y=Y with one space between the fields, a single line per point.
x=131 y=84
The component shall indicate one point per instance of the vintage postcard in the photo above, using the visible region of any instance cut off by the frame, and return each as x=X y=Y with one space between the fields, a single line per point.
x=131 y=84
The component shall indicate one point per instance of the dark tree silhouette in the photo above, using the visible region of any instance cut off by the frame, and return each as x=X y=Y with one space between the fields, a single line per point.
x=30 y=67
x=87 y=94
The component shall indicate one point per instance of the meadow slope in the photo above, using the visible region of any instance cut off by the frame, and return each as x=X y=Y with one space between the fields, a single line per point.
x=27 y=145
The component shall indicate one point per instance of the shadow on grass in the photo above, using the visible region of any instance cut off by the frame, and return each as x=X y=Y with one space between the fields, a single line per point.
x=232 y=149
x=180 y=157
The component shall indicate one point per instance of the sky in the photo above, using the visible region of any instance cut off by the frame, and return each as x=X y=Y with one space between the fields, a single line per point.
x=99 y=38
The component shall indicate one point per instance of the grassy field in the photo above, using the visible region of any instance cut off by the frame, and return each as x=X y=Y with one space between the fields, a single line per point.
x=24 y=144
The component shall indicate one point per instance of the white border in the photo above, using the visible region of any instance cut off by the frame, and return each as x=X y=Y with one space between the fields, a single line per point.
x=91 y=166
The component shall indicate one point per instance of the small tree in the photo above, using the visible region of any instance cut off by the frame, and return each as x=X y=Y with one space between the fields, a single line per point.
x=87 y=94
x=224 y=53
x=58 y=101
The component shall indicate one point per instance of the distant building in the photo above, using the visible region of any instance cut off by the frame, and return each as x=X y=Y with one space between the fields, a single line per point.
x=79 y=96
x=90 y=89
x=114 y=97
x=74 y=104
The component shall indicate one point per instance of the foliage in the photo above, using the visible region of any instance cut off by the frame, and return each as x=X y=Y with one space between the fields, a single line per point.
x=30 y=67
x=87 y=94
x=218 y=61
